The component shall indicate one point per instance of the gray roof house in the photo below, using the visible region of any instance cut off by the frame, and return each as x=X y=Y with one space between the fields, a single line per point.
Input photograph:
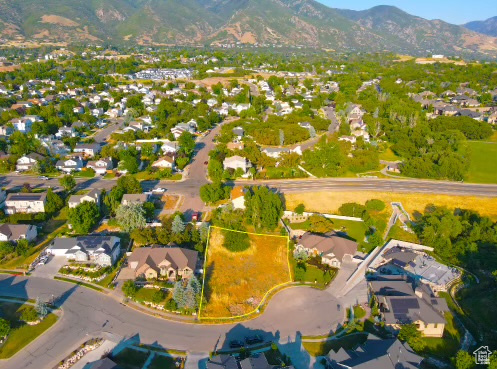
x=237 y=162
x=27 y=203
x=15 y=232
x=376 y=354
x=92 y=196
x=400 y=303
x=139 y=198
x=102 y=250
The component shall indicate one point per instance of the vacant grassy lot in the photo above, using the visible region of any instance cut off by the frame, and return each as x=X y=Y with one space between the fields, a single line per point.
x=236 y=282
x=483 y=168
x=329 y=202
x=21 y=334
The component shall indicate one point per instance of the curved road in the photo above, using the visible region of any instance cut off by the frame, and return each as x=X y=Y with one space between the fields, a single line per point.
x=88 y=313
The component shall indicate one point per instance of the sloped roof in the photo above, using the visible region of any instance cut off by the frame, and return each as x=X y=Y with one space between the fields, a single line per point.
x=329 y=243
x=153 y=256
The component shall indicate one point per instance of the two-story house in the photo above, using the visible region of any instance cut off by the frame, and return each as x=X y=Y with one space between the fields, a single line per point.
x=237 y=162
x=101 y=166
x=28 y=162
x=101 y=250
x=70 y=165
x=92 y=196
x=88 y=150
x=25 y=203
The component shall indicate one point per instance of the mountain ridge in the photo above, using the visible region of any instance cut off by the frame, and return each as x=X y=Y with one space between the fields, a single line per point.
x=487 y=27
x=217 y=22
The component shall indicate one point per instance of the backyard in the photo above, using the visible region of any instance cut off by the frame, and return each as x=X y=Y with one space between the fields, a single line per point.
x=237 y=281
x=21 y=334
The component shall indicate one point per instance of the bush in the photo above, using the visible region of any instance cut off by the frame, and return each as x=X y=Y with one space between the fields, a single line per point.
x=29 y=314
x=352 y=209
x=236 y=241
x=375 y=205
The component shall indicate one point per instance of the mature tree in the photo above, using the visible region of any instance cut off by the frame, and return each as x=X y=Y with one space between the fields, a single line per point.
x=129 y=184
x=187 y=143
x=178 y=226
x=352 y=209
x=375 y=205
x=264 y=207
x=464 y=360
x=375 y=239
x=4 y=327
x=410 y=334
x=300 y=209
x=215 y=169
x=320 y=224
x=84 y=217
x=29 y=314
x=54 y=202
x=149 y=209
x=129 y=289
x=131 y=216
x=67 y=182
x=179 y=294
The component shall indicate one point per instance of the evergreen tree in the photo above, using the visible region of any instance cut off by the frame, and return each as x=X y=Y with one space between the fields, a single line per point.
x=178 y=226
x=179 y=294
x=41 y=308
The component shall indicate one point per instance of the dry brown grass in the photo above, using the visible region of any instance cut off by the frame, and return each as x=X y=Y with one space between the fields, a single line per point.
x=329 y=202
x=170 y=201
x=236 y=282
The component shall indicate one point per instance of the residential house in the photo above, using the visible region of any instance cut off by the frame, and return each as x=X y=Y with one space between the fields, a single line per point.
x=89 y=150
x=25 y=203
x=333 y=249
x=167 y=262
x=134 y=198
x=6 y=130
x=101 y=166
x=235 y=146
x=29 y=161
x=70 y=165
x=170 y=147
x=400 y=303
x=275 y=152
x=164 y=162
x=238 y=197
x=237 y=162
x=92 y=196
x=375 y=353
x=492 y=119
x=66 y=132
x=101 y=250
x=16 y=232
x=238 y=132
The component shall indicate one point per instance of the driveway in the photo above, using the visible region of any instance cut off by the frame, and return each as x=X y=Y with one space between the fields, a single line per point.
x=51 y=268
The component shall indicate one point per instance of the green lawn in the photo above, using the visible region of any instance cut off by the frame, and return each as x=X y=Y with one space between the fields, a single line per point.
x=389 y=155
x=130 y=359
x=84 y=174
x=483 y=167
x=397 y=233
x=21 y=334
x=347 y=342
x=355 y=230
x=447 y=346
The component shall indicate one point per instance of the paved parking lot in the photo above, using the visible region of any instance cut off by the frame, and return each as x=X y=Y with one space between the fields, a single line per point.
x=51 y=268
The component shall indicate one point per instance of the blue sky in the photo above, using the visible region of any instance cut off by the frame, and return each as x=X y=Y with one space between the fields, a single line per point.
x=453 y=11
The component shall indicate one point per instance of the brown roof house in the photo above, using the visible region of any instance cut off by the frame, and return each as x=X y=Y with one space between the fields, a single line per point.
x=238 y=197
x=333 y=249
x=167 y=262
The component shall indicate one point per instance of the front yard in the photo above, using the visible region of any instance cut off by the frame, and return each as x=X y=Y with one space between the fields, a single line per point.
x=237 y=278
x=21 y=334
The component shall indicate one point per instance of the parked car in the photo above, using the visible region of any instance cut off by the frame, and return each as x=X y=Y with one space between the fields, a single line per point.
x=236 y=344
x=253 y=340
x=43 y=178
x=159 y=190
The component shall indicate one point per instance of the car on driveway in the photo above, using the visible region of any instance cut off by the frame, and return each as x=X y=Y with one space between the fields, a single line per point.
x=43 y=178
x=159 y=190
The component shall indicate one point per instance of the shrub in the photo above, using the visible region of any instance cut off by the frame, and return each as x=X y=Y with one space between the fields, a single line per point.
x=29 y=314
x=352 y=209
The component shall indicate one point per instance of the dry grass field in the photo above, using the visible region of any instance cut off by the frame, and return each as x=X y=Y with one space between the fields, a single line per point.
x=329 y=202
x=236 y=282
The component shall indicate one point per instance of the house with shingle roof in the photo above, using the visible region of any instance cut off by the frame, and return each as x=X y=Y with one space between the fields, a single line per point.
x=376 y=353
x=16 y=232
x=92 y=196
x=167 y=262
x=402 y=302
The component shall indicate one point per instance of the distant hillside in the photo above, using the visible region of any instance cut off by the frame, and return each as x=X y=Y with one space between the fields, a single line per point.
x=199 y=22
x=487 y=27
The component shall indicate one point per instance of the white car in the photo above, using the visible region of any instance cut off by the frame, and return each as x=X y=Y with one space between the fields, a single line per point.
x=159 y=190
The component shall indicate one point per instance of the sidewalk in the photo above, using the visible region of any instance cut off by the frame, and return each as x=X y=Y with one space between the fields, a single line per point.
x=105 y=347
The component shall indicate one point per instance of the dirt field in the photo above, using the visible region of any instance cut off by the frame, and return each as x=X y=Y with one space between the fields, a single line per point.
x=236 y=282
x=329 y=202
x=9 y=68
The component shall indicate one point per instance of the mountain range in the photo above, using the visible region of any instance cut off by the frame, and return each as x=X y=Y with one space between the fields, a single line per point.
x=215 y=22
x=487 y=27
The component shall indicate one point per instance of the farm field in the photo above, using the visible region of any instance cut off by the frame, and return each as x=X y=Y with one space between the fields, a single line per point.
x=483 y=167
x=329 y=202
x=236 y=282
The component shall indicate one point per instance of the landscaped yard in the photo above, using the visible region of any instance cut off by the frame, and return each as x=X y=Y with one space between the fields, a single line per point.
x=447 y=346
x=163 y=362
x=236 y=281
x=347 y=342
x=483 y=167
x=21 y=333
x=397 y=233
x=329 y=202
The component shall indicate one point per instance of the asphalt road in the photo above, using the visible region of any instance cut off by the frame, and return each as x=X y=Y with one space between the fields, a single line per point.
x=88 y=313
